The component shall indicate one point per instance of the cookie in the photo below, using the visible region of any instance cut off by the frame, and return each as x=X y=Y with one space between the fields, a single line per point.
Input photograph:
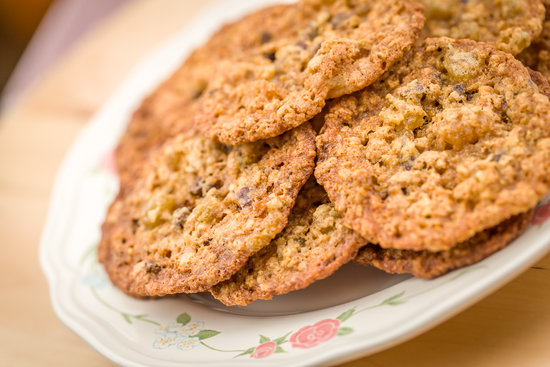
x=160 y=116
x=510 y=25
x=541 y=81
x=453 y=140
x=426 y=264
x=313 y=245
x=200 y=210
x=169 y=109
x=537 y=55
x=333 y=47
x=231 y=40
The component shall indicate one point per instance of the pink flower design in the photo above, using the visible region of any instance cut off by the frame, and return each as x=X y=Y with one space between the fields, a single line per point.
x=264 y=350
x=313 y=335
x=107 y=162
x=542 y=213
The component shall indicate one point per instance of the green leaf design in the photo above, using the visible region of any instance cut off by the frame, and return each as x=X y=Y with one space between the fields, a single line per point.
x=143 y=317
x=396 y=303
x=346 y=315
x=394 y=300
x=345 y=331
x=127 y=317
x=183 y=319
x=205 y=334
x=282 y=339
x=91 y=251
x=279 y=350
x=264 y=339
x=248 y=351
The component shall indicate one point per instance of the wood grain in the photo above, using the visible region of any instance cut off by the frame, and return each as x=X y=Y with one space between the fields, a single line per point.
x=509 y=328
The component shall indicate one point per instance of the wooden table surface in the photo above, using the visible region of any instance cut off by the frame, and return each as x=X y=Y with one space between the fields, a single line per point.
x=509 y=328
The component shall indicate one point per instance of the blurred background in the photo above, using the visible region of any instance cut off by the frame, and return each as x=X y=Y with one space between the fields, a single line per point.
x=34 y=33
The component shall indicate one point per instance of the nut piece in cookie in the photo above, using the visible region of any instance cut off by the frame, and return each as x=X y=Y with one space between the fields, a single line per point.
x=201 y=209
x=511 y=25
x=426 y=264
x=333 y=47
x=453 y=140
x=313 y=245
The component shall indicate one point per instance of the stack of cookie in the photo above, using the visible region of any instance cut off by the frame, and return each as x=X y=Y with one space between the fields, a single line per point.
x=307 y=135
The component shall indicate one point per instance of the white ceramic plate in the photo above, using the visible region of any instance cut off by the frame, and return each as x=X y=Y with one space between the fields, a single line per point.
x=355 y=312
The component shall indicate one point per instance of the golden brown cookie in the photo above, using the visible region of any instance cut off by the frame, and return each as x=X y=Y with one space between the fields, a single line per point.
x=160 y=116
x=509 y=24
x=230 y=41
x=313 y=245
x=333 y=47
x=426 y=264
x=201 y=209
x=453 y=140
x=537 y=56
x=541 y=81
x=169 y=109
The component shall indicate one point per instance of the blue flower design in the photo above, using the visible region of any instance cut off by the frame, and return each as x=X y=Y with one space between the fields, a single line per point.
x=189 y=343
x=94 y=280
x=163 y=342
x=184 y=337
